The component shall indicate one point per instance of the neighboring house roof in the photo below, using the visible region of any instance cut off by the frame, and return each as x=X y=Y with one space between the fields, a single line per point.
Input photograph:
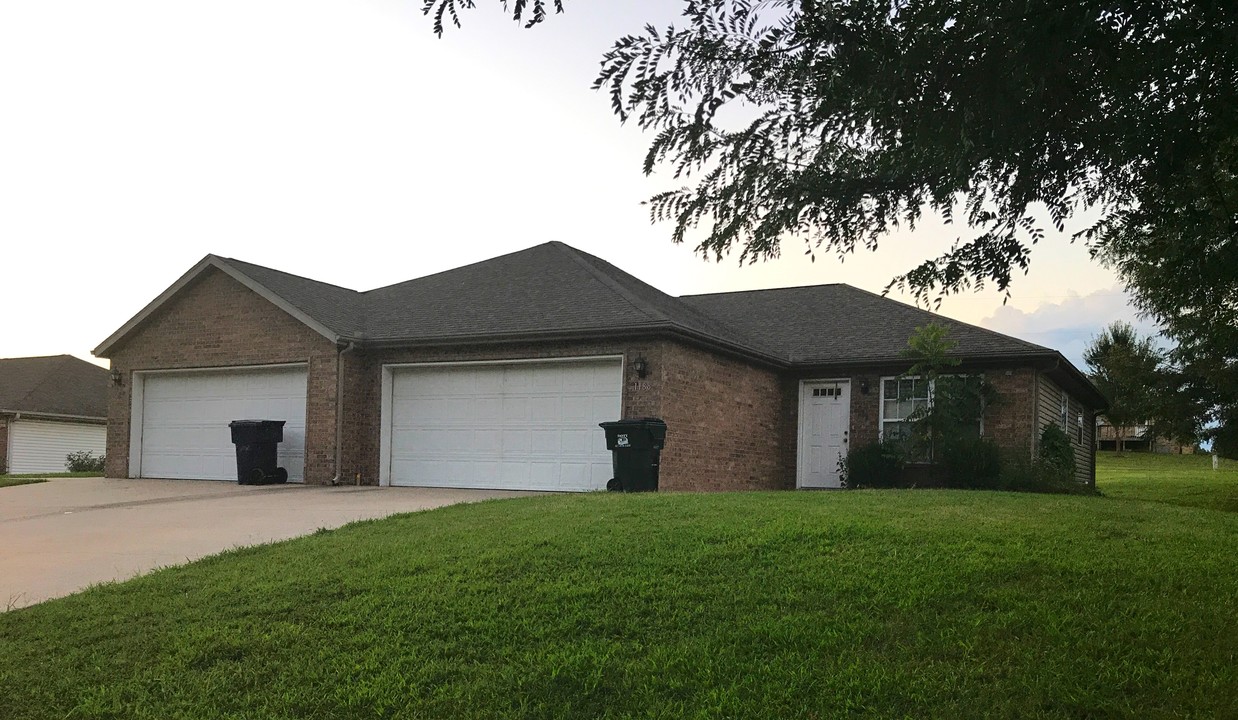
x=56 y=386
x=556 y=291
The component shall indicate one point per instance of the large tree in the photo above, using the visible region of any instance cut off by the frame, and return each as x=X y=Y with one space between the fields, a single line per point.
x=835 y=121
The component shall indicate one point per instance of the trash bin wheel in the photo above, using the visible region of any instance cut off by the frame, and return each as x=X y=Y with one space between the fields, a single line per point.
x=256 y=476
x=612 y=485
x=281 y=475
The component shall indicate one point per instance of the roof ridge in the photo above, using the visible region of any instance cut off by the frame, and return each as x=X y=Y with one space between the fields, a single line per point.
x=759 y=290
x=234 y=261
x=454 y=269
x=585 y=260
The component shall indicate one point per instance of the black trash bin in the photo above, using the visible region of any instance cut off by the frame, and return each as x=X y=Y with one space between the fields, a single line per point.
x=636 y=449
x=256 y=444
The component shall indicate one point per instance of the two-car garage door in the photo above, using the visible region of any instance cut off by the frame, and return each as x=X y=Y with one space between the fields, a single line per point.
x=518 y=426
x=185 y=415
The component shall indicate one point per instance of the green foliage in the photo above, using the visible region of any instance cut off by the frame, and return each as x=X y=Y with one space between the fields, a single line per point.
x=876 y=465
x=930 y=348
x=1057 y=453
x=84 y=461
x=12 y=480
x=1182 y=480
x=970 y=461
x=882 y=604
x=529 y=12
x=1051 y=471
x=1126 y=369
x=952 y=417
x=835 y=122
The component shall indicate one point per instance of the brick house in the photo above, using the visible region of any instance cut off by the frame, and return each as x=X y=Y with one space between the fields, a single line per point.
x=496 y=375
x=49 y=407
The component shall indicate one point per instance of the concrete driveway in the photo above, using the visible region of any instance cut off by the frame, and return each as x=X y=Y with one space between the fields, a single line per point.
x=63 y=535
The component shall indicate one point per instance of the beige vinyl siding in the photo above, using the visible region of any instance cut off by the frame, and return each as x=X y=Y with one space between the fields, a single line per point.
x=1049 y=412
x=1048 y=407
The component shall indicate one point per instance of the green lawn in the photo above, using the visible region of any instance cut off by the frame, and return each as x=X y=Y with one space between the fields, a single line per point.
x=1186 y=480
x=31 y=478
x=898 y=604
x=12 y=480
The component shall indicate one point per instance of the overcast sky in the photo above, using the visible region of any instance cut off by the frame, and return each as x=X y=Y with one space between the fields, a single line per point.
x=343 y=141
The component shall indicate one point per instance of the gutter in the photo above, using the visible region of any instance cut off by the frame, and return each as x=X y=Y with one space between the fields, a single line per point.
x=18 y=414
x=599 y=333
x=340 y=352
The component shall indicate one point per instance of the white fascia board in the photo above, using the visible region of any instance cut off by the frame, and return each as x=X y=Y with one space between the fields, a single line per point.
x=211 y=261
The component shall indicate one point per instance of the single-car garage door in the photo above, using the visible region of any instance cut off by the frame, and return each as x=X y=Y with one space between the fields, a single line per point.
x=185 y=415
x=518 y=426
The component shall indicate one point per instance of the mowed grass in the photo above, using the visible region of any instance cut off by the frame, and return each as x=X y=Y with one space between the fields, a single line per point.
x=12 y=480
x=28 y=478
x=1186 y=480
x=886 y=604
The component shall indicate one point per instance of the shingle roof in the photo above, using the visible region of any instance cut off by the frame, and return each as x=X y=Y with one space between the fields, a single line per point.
x=54 y=385
x=544 y=290
x=827 y=324
x=338 y=308
x=554 y=290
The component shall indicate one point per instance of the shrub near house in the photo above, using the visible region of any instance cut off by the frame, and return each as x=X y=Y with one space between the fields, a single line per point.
x=84 y=461
x=942 y=436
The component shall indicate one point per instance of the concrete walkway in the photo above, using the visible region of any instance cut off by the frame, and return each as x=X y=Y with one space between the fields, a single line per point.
x=63 y=535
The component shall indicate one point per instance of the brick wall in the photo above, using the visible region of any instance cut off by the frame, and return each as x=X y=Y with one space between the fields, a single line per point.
x=217 y=322
x=1010 y=421
x=725 y=423
x=863 y=407
x=732 y=425
x=723 y=415
x=363 y=383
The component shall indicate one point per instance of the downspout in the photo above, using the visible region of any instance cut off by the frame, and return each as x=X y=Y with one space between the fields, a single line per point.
x=340 y=352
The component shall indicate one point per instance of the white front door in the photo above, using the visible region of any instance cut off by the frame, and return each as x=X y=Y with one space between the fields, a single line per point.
x=825 y=416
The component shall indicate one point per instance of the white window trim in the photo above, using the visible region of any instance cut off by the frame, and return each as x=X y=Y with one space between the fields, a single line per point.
x=881 y=407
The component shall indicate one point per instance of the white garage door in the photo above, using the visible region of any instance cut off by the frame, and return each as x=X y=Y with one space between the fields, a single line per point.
x=36 y=446
x=185 y=418
x=520 y=426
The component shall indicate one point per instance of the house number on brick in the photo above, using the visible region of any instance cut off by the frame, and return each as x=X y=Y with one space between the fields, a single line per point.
x=638 y=385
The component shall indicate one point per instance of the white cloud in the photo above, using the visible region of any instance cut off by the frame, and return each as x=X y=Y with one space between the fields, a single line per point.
x=1069 y=324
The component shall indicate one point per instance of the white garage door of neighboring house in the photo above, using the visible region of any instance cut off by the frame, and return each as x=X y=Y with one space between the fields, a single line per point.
x=38 y=446
x=518 y=426
x=185 y=415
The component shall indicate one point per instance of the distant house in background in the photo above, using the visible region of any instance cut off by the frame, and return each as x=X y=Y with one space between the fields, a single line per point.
x=1137 y=438
x=50 y=407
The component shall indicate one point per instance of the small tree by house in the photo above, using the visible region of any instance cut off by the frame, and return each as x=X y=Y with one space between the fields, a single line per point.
x=1126 y=368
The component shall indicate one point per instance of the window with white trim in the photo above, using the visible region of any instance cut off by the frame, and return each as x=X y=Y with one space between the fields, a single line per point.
x=904 y=399
x=901 y=398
